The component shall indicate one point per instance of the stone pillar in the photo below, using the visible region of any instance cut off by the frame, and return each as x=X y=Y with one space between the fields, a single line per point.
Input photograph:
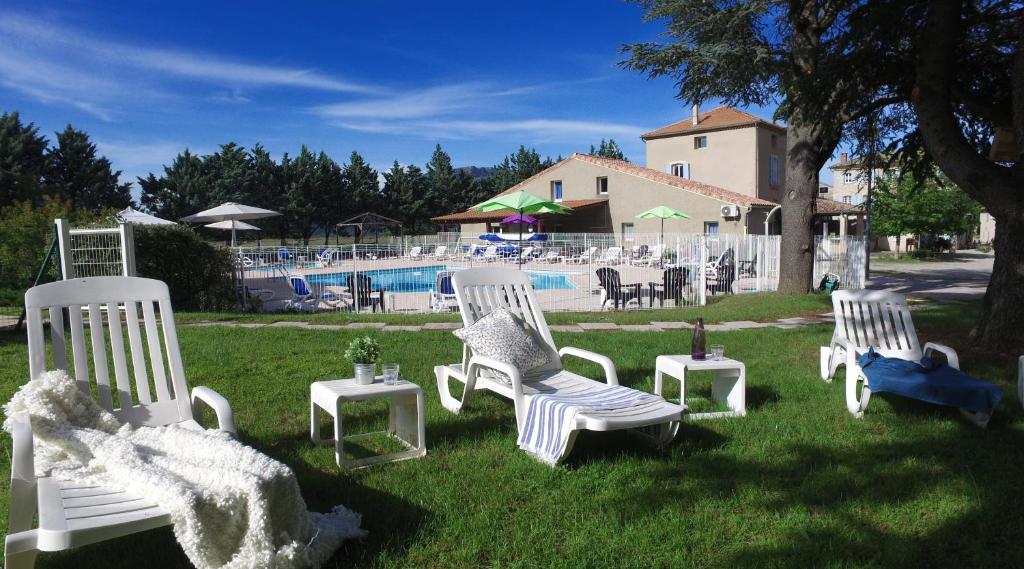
x=844 y=222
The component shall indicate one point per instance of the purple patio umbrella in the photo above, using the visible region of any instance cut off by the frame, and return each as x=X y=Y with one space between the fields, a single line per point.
x=519 y=218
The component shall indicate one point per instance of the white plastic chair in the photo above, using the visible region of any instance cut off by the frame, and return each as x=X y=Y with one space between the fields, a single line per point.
x=491 y=254
x=72 y=514
x=613 y=256
x=583 y=258
x=482 y=290
x=414 y=253
x=873 y=319
x=441 y=253
x=442 y=296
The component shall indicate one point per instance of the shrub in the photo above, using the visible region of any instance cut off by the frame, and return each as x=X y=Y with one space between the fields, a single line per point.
x=199 y=275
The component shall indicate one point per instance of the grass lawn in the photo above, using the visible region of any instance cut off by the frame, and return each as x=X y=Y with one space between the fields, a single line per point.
x=796 y=483
x=757 y=307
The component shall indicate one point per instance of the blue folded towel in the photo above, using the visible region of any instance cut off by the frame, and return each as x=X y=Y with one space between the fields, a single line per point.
x=928 y=381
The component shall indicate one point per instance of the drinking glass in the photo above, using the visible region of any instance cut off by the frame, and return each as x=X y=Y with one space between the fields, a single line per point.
x=717 y=352
x=390 y=372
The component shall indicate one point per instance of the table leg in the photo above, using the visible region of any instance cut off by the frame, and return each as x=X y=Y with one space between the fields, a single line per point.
x=314 y=423
x=729 y=387
x=339 y=442
x=658 y=380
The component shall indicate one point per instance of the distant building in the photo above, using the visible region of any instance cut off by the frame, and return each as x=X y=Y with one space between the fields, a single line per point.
x=724 y=168
x=850 y=180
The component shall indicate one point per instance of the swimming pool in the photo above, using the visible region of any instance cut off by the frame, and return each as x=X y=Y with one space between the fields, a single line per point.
x=422 y=279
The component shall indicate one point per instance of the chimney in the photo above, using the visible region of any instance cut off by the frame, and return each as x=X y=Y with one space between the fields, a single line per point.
x=693 y=113
x=844 y=158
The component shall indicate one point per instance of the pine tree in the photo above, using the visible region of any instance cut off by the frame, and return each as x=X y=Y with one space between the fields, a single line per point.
x=301 y=204
x=230 y=175
x=267 y=188
x=22 y=160
x=182 y=190
x=440 y=183
x=332 y=191
x=608 y=149
x=74 y=172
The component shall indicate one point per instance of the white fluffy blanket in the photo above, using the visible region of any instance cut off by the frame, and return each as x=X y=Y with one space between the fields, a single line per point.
x=232 y=507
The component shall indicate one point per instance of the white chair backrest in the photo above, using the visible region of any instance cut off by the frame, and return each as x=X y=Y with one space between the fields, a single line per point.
x=415 y=251
x=878 y=319
x=440 y=250
x=483 y=290
x=613 y=253
x=527 y=252
x=491 y=251
x=149 y=382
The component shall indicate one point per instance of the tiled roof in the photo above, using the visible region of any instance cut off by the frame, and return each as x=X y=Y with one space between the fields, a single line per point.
x=472 y=216
x=719 y=118
x=832 y=207
x=700 y=188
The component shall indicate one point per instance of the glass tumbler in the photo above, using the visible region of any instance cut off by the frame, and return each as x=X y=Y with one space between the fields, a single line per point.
x=717 y=352
x=390 y=372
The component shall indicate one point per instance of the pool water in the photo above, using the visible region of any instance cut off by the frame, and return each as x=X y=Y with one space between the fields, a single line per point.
x=422 y=279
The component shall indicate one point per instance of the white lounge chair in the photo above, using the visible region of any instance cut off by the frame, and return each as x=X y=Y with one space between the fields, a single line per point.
x=873 y=319
x=524 y=256
x=415 y=253
x=442 y=296
x=441 y=253
x=72 y=514
x=470 y=251
x=551 y=256
x=325 y=258
x=306 y=298
x=651 y=258
x=482 y=290
x=584 y=258
x=612 y=256
x=490 y=254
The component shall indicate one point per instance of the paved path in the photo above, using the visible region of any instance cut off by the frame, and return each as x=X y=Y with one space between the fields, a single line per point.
x=963 y=278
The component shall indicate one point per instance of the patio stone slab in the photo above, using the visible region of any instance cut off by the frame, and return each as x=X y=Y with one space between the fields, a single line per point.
x=326 y=326
x=402 y=328
x=598 y=326
x=251 y=325
x=565 y=328
x=290 y=324
x=442 y=326
x=357 y=325
x=745 y=324
x=673 y=325
x=640 y=328
x=798 y=320
x=785 y=326
x=718 y=328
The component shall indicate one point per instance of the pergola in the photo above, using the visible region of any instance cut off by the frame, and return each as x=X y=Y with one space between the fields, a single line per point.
x=368 y=222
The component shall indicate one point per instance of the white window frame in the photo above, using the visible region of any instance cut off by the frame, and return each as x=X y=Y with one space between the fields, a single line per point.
x=848 y=199
x=680 y=169
x=605 y=191
x=554 y=196
x=848 y=177
x=628 y=232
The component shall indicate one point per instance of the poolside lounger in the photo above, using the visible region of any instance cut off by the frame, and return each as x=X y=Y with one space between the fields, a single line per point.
x=442 y=296
x=483 y=290
x=490 y=254
x=441 y=253
x=415 y=254
x=524 y=256
x=878 y=320
x=650 y=258
x=306 y=298
x=613 y=256
x=551 y=256
x=70 y=513
x=583 y=258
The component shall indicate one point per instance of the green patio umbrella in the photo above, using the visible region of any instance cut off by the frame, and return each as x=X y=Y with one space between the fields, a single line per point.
x=522 y=202
x=662 y=212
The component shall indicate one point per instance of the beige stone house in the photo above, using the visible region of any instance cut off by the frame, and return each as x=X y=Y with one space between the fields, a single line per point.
x=724 y=168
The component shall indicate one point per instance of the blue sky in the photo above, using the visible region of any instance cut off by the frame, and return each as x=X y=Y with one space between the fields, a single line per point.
x=388 y=78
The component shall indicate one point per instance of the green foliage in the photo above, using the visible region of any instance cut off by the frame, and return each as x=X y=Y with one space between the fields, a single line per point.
x=26 y=232
x=902 y=206
x=363 y=350
x=608 y=149
x=199 y=275
x=86 y=180
x=405 y=195
x=22 y=160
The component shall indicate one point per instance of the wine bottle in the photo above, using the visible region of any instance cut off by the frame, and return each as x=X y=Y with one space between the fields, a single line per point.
x=698 y=349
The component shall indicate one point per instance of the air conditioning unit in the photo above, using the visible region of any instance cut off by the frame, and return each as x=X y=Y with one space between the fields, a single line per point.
x=730 y=211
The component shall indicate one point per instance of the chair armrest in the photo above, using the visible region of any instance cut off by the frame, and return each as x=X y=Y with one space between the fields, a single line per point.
x=22 y=505
x=604 y=361
x=215 y=401
x=951 y=358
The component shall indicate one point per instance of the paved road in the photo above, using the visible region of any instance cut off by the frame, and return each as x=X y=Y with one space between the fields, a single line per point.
x=963 y=278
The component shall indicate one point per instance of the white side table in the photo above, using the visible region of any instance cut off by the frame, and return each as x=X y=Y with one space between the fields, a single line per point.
x=729 y=383
x=405 y=421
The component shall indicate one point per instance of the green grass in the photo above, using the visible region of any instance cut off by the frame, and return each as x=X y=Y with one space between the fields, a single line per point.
x=796 y=483
x=757 y=307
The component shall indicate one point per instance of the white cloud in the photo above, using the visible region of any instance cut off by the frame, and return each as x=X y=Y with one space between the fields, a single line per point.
x=536 y=130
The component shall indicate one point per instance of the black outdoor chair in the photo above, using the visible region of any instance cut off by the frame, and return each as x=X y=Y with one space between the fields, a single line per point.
x=363 y=294
x=616 y=292
x=720 y=273
x=673 y=282
x=749 y=268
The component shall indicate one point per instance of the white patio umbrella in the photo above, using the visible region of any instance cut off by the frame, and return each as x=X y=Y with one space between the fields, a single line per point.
x=132 y=215
x=230 y=211
x=233 y=225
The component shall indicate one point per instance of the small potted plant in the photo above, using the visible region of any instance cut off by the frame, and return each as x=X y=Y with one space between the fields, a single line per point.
x=364 y=353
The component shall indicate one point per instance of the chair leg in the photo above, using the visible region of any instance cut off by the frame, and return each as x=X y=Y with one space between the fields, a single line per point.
x=857 y=396
x=23 y=560
x=448 y=401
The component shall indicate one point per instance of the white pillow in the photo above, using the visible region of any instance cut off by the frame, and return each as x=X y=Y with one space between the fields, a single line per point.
x=505 y=337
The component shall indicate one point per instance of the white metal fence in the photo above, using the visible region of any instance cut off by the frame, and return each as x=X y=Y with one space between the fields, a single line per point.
x=570 y=272
x=95 y=252
x=842 y=257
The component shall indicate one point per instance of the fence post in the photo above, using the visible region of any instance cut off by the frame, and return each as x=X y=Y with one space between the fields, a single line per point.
x=67 y=267
x=127 y=248
x=702 y=250
x=354 y=291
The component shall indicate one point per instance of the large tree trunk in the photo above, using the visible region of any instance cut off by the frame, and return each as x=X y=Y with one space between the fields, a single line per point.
x=1002 y=320
x=803 y=148
x=999 y=188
